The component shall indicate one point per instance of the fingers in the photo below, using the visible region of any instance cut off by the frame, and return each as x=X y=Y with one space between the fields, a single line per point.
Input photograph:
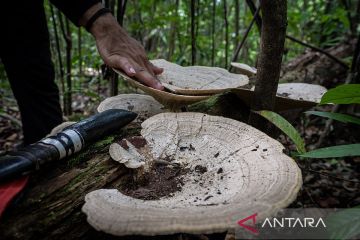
x=123 y=64
x=148 y=79
x=144 y=74
x=155 y=69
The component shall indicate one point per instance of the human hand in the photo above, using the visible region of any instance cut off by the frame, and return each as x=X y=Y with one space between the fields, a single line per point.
x=120 y=51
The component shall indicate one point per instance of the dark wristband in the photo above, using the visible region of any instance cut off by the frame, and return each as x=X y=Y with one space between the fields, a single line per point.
x=96 y=16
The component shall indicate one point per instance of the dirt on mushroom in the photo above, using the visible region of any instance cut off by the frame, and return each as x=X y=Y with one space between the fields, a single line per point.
x=160 y=181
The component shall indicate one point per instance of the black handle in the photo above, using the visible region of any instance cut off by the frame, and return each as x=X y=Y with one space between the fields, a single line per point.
x=72 y=139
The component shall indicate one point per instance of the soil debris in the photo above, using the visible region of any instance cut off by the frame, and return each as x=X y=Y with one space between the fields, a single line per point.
x=190 y=148
x=137 y=141
x=160 y=181
x=208 y=197
x=200 y=169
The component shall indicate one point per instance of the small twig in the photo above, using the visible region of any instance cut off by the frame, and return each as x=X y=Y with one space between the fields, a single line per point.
x=311 y=198
x=326 y=130
x=159 y=161
x=11 y=118
x=342 y=63
x=331 y=176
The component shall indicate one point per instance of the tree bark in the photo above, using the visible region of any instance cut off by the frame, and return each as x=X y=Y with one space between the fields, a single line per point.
x=226 y=24
x=193 y=36
x=65 y=29
x=237 y=22
x=173 y=29
x=58 y=50
x=271 y=51
x=79 y=51
x=213 y=33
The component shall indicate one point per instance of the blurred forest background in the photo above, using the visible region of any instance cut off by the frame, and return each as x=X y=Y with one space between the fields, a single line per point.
x=196 y=32
x=193 y=32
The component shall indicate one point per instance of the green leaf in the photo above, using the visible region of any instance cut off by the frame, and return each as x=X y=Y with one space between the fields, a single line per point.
x=343 y=94
x=344 y=224
x=286 y=127
x=336 y=116
x=334 y=152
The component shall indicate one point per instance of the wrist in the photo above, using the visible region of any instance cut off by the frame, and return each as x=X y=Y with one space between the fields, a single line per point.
x=104 y=25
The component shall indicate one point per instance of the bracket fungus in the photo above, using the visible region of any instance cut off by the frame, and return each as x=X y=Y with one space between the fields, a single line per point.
x=187 y=85
x=168 y=99
x=145 y=106
x=289 y=95
x=245 y=69
x=197 y=80
x=231 y=170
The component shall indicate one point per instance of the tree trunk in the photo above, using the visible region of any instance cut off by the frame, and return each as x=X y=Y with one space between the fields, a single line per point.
x=271 y=51
x=226 y=34
x=173 y=29
x=237 y=22
x=58 y=51
x=193 y=36
x=213 y=33
x=79 y=51
x=65 y=28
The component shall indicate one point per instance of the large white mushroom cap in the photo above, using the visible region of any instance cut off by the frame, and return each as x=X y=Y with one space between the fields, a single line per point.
x=168 y=99
x=244 y=69
x=197 y=80
x=289 y=95
x=144 y=105
x=244 y=172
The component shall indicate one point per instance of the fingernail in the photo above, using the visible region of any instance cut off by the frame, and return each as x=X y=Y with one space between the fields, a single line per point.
x=159 y=86
x=132 y=70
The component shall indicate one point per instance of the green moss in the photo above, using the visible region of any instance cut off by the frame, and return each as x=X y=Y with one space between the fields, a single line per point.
x=83 y=155
x=106 y=141
x=204 y=106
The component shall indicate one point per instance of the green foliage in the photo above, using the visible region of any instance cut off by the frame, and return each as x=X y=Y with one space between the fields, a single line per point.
x=336 y=116
x=286 y=127
x=344 y=224
x=293 y=134
x=343 y=94
x=334 y=152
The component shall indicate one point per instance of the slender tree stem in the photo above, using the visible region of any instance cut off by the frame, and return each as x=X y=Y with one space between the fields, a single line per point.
x=226 y=24
x=213 y=33
x=271 y=51
x=193 y=36
x=241 y=44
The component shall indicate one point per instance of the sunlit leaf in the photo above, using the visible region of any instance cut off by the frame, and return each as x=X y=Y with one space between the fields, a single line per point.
x=334 y=152
x=336 y=116
x=343 y=94
x=286 y=127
